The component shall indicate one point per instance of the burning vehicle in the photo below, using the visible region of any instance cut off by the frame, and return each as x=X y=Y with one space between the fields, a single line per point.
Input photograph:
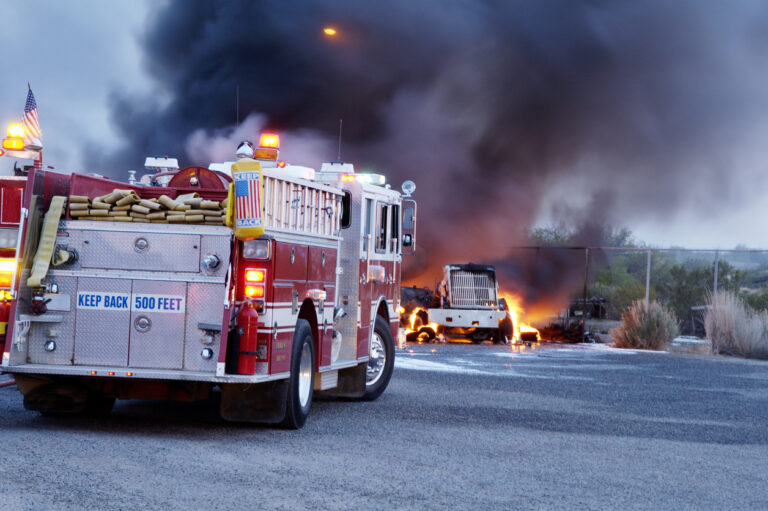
x=466 y=304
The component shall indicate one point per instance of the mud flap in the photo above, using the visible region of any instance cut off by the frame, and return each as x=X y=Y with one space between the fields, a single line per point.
x=351 y=383
x=262 y=403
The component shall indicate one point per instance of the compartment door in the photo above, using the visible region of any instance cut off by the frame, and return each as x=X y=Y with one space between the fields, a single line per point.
x=101 y=326
x=157 y=324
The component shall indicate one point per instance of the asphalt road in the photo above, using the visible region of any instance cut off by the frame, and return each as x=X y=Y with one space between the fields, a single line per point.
x=460 y=427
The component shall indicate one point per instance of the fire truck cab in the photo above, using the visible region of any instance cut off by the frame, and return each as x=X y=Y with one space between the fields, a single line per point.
x=147 y=309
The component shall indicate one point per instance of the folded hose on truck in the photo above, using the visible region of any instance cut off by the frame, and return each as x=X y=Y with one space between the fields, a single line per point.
x=45 y=248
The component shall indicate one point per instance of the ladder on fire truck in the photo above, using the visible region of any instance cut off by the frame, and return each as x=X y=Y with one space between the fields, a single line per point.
x=295 y=205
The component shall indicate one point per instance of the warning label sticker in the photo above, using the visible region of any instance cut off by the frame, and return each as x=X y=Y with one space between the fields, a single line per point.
x=95 y=300
x=158 y=303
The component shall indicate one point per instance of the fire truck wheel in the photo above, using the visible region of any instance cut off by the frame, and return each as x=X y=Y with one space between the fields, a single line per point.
x=98 y=405
x=381 y=360
x=302 y=379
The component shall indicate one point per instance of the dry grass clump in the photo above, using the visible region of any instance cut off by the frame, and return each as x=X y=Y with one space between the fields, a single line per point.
x=735 y=329
x=651 y=329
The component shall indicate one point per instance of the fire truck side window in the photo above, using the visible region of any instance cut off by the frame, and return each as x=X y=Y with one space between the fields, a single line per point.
x=381 y=228
x=395 y=228
x=367 y=224
x=346 y=213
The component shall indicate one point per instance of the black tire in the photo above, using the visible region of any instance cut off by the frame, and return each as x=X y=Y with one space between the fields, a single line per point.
x=506 y=331
x=374 y=389
x=426 y=334
x=98 y=405
x=296 y=411
x=480 y=335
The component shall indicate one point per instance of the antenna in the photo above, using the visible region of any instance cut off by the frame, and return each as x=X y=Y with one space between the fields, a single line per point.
x=237 y=104
x=341 y=124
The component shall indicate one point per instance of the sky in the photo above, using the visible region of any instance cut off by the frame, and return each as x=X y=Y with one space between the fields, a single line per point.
x=112 y=78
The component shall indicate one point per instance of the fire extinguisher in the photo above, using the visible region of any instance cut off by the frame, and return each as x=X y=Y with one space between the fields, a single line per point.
x=247 y=327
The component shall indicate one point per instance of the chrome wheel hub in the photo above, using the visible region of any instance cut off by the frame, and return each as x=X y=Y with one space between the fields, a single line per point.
x=305 y=375
x=376 y=361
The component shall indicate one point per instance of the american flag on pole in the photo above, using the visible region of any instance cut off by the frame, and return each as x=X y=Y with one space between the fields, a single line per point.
x=32 y=126
x=247 y=199
x=31 y=122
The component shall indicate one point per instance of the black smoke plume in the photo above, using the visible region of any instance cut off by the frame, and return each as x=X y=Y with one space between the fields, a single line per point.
x=500 y=110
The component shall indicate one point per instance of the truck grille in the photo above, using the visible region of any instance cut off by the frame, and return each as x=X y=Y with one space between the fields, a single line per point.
x=473 y=289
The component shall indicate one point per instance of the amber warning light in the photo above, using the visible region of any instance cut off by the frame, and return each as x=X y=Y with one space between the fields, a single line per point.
x=15 y=131
x=269 y=140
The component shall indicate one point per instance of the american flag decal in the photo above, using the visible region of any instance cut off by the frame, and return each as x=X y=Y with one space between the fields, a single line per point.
x=247 y=199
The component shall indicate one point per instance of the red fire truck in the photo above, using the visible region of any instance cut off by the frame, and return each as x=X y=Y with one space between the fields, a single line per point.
x=297 y=296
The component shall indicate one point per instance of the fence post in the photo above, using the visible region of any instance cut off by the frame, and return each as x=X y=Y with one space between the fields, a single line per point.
x=717 y=264
x=648 y=282
x=584 y=297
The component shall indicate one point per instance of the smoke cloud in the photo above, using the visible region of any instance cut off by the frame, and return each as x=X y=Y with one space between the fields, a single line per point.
x=502 y=112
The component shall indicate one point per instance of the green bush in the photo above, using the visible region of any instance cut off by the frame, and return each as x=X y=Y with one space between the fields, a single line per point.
x=651 y=329
x=734 y=328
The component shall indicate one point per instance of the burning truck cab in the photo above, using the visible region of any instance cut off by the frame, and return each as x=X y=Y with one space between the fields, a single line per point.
x=264 y=282
x=465 y=305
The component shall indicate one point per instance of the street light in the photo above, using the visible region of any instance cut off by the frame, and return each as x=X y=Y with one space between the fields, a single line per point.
x=329 y=31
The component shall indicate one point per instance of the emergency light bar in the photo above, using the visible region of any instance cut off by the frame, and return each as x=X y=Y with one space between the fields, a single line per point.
x=374 y=179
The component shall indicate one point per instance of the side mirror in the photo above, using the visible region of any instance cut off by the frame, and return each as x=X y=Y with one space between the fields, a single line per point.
x=409 y=226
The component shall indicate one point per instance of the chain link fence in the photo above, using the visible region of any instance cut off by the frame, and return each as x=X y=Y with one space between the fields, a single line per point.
x=611 y=278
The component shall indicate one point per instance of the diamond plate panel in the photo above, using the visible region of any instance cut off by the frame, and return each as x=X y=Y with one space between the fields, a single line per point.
x=120 y=250
x=204 y=305
x=62 y=333
x=349 y=284
x=220 y=246
x=101 y=336
x=161 y=345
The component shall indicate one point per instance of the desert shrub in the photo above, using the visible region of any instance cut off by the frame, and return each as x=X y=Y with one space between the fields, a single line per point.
x=651 y=329
x=734 y=328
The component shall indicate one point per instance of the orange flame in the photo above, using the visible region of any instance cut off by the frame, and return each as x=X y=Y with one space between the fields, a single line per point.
x=416 y=325
x=517 y=313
